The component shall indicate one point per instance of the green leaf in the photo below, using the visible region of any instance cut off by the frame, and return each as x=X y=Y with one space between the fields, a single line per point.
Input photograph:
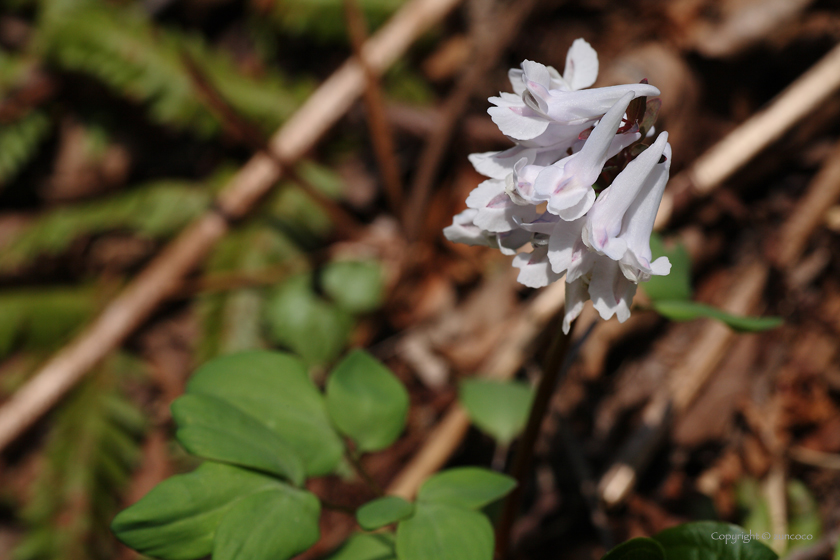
x=677 y=284
x=378 y=546
x=803 y=514
x=467 y=487
x=274 y=524
x=275 y=389
x=688 y=310
x=641 y=548
x=444 y=532
x=356 y=286
x=707 y=540
x=178 y=518
x=213 y=429
x=366 y=401
x=499 y=408
x=315 y=329
x=383 y=511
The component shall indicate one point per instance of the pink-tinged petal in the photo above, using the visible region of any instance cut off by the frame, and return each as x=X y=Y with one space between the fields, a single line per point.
x=611 y=214
x=510 y=241
x=496 y=212
x=611 y=293
x=591 y=158
x=537 y=74
x=535 y=269
x=582 y=262
x=518 y=123
x=552 y=180
x=577 y=294
x=574 y=107
x=640 y=216
x=463 y=230
x=480 y=196
x=499 y=165
x=562 y=243
x=517 y=80
x=544 y=224
x=581 y=69
x=576 y=210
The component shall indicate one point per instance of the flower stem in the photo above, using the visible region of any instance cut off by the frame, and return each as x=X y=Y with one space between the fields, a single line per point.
x=360 y=470
x=555 y=364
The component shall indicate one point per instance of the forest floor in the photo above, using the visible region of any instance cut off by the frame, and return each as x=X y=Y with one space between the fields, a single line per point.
x=654 y=423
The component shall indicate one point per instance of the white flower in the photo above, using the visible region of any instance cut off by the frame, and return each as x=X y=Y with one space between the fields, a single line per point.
x=555 y=117
x=463 y=230
x=610 y=291
x=621 y=220
x=535 y=269
x=580 y=72
x=496 y=211
x=567 y=184
x=541 y=190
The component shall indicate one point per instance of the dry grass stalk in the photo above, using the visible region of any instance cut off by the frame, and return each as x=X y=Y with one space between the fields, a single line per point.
x=380 y=130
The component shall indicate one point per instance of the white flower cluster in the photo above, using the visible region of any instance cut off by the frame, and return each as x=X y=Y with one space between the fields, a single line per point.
x=541 y=190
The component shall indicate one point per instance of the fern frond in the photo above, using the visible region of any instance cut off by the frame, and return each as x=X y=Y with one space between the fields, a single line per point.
x=155 y=210
x=121 y=47
x=88 y=459
x=324 y=19
x=43 y=318
x=19 y=143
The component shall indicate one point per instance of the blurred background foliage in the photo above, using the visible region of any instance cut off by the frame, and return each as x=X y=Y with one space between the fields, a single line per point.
x=112 y=141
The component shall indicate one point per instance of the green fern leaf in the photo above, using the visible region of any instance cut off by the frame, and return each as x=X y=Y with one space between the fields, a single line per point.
x=88 y=459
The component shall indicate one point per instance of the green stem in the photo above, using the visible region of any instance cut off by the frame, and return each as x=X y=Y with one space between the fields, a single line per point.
x=360 y=470
x=347 y=510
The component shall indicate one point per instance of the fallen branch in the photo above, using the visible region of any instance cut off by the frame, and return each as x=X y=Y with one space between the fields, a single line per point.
x=164 y=276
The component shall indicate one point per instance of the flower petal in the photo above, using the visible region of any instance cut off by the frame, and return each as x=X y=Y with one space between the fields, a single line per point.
x=535 y=269
x=611 y=293
x=581 y=69
x=576 y=297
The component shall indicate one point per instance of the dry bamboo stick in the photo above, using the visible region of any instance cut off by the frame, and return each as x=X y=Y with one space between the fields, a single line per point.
x=751 y=137
x=164 y=275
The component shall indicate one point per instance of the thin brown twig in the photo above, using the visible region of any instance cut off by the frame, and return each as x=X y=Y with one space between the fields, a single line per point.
x=247 y=133
x=164 y=275
x=490 y=37
x=380 y=130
